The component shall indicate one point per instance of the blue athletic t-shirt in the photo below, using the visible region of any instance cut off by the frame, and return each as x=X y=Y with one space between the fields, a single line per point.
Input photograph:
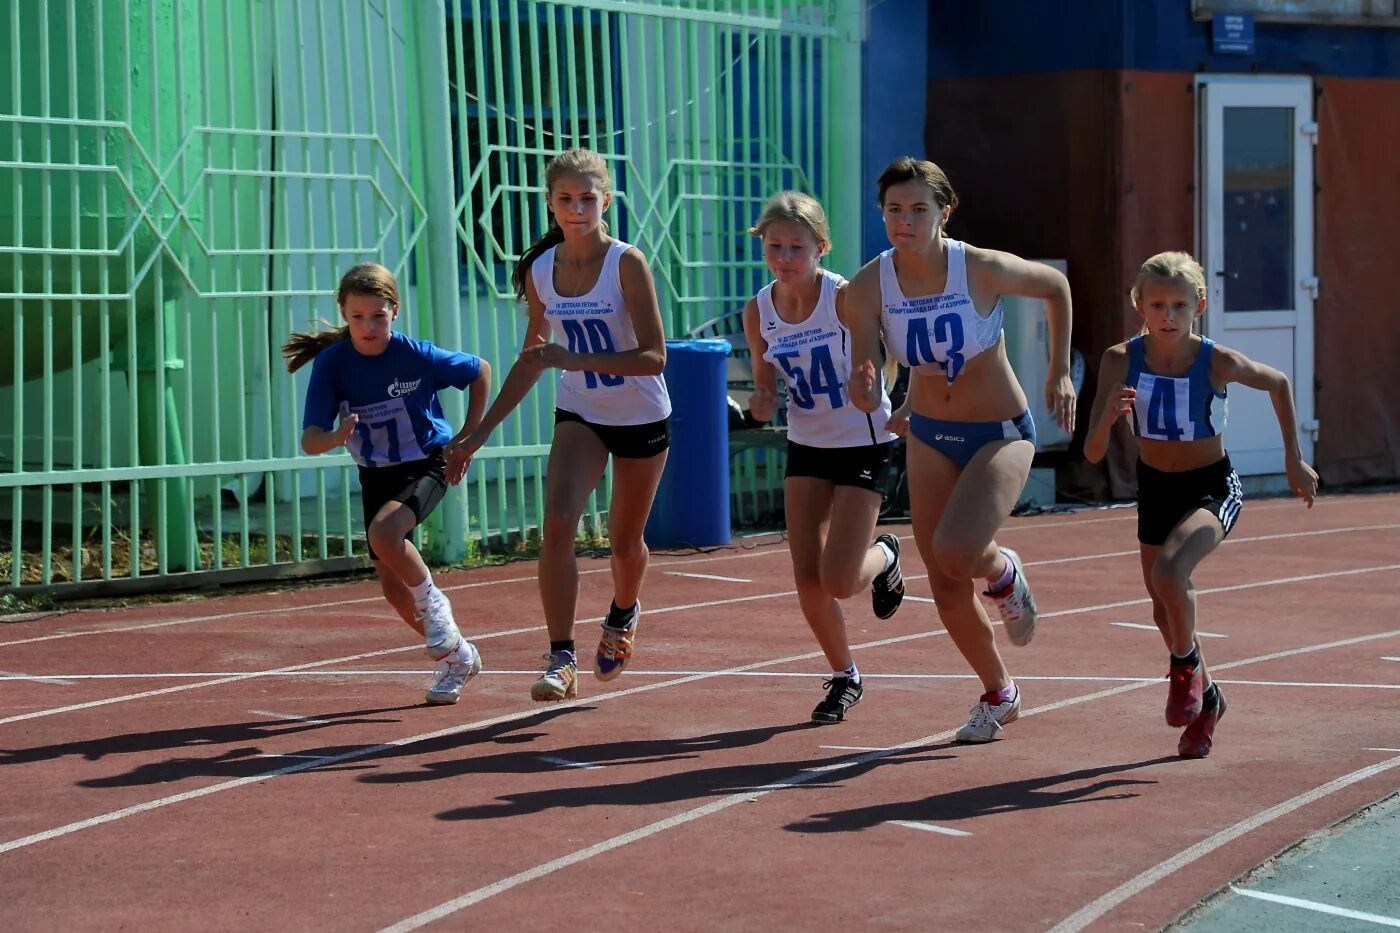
x=394 y=393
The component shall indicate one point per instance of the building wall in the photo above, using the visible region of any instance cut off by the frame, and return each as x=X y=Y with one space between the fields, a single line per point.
x=1358 y=322
x=1074 y=136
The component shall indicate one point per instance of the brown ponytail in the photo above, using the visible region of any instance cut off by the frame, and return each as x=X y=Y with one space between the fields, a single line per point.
x=301 y=348
x=552 y=237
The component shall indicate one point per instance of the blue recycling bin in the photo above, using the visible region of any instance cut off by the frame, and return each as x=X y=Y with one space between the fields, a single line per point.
x=692 y=502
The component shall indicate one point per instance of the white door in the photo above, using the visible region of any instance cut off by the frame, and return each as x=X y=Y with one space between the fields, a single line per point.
x=1255 y=224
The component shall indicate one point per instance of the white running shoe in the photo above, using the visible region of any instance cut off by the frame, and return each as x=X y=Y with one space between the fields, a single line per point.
x=1016 y=605
x=439 y=629
x=452 y=675
x=988 y=716
x=559 y=680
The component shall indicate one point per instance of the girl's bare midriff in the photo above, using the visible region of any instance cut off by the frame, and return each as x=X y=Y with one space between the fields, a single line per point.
x=985 y=390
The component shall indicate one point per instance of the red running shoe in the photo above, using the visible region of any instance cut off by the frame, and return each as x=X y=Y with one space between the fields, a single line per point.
x=1196 y=740
x=1184 y=693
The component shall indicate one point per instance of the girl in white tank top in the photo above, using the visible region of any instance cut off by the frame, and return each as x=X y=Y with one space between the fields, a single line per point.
x=837 y=455
x=593 y=315
x=971 y=437
x=598 y=322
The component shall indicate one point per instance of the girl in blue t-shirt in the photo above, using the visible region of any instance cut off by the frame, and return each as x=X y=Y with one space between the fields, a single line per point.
x=383 y=387
x=1189 y=496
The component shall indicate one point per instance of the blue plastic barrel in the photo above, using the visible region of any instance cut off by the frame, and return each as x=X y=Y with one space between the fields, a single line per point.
x=692 y=502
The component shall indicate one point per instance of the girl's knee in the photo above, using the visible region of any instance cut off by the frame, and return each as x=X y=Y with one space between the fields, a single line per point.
x=840 y=582
x=628 y=549
x=1168 y=580
x=559 y=527
x=956 y=561
x=383 y=539
x=946 y=589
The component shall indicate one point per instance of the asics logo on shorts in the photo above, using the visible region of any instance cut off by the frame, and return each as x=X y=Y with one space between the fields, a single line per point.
x=400 y=387
x=950 y=437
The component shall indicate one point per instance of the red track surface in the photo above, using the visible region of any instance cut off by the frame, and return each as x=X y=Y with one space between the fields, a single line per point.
x=157 y=803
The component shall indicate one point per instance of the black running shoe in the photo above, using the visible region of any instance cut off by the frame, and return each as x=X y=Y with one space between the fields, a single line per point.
x=841 y=694
x=887 y=589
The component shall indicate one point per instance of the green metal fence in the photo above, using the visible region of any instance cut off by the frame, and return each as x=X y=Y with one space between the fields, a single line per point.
x=703 y=109
x=183 y=181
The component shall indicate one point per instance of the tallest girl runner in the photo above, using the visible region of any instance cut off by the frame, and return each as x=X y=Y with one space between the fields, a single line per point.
x=971 y=436
x=594 y=294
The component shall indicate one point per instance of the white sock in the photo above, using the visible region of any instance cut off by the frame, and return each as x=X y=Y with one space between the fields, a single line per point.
x=852 y=672
x=889 y=555
x=423 y=590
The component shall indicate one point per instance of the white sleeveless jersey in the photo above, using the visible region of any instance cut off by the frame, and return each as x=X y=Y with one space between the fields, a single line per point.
x=936 y=333
x=814 y=360
x=598 y=323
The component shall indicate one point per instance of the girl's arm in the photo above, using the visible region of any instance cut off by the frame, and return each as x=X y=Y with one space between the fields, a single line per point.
x=477 y=394
x=316 y=440
x=458 y=458
x=1004 y=274
x=319 y=433
x=861 y=305
x=649 y=358
x=523 y=375
x=763 y=403
x=1232 y=366
x=1112 y=401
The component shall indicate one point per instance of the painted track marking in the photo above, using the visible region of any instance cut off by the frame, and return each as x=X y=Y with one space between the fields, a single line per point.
x=1317 y=907
x=1141 y=882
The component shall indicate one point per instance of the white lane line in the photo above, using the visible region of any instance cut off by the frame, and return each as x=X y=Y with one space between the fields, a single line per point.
x=276 y=755
x=1225 y=589
x=1102 y=905
x=566 y=763
x=1131 y=509
x=186 y=675
x=719 y=602
x=15 y=675
x=309 y=607
x=707 y=576
x=249 y=675
x=808 y=675
x=918 y=599
x=1383 y=749
x=1232 y=541
x=748 y=553
x=651 y=829
x=368 y=750
x=288 y=717
x=1317 y=907
x=1385 y=657
x=1308 y=683
x=856 y=748
x=1153 y=628
x=805 y=776
x=929 y=828
x=218 y=681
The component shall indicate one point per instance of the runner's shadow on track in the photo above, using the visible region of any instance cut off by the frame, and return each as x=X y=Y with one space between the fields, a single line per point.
x=671 y=787
x=595 y=755
x=191 y=736
x=1054 y=790
x=253 y=760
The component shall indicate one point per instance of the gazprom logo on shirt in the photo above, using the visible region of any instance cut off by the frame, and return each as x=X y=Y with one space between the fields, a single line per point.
x=400 y=387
